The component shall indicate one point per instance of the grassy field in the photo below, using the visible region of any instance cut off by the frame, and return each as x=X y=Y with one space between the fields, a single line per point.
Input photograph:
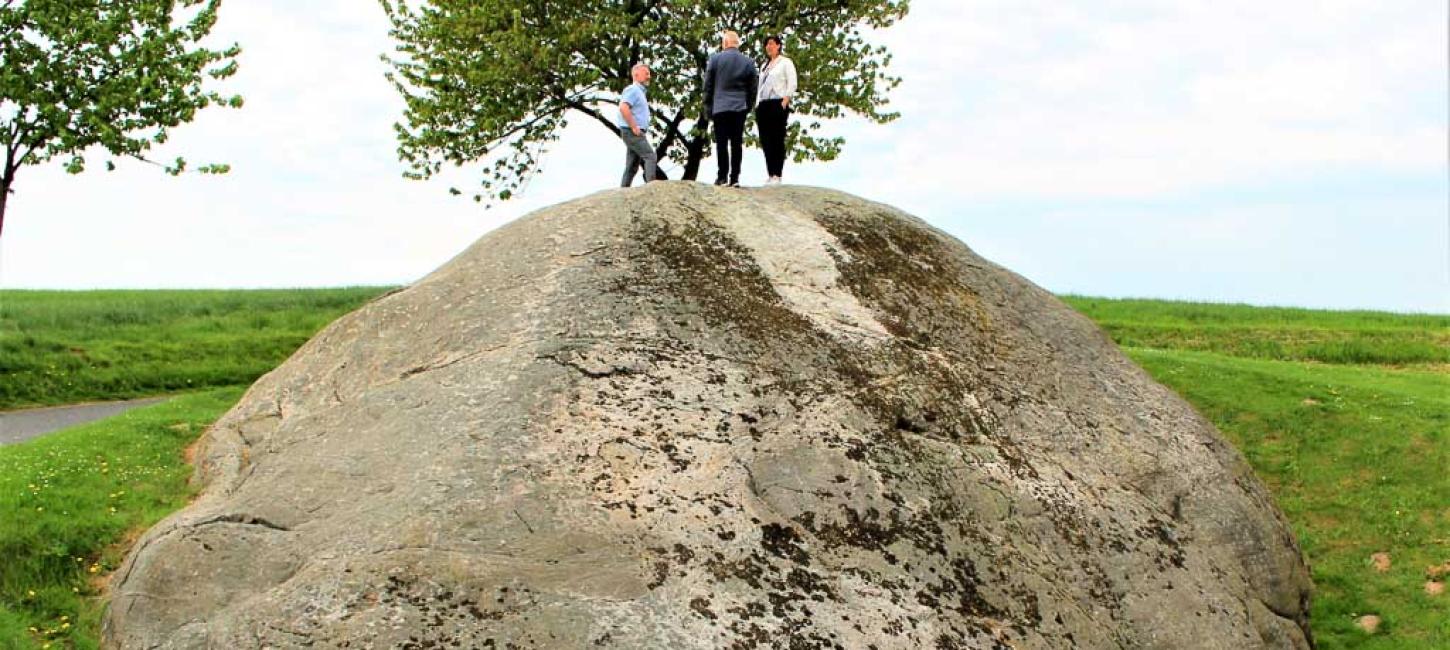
x=1345 y=415
x=1277 y=333
x=1357 y=458
x=70 y=501
x=66 y=347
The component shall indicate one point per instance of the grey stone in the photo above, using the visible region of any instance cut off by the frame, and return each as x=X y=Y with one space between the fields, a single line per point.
x=681 y=416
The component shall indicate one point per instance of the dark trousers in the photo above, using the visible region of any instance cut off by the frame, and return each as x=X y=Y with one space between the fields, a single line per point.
x=770 y=119
x=729 y=140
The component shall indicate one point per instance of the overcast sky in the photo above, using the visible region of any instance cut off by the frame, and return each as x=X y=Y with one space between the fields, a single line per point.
x=1290 y=152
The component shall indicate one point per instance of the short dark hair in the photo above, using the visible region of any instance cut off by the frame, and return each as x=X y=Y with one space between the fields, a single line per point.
x=775 y=38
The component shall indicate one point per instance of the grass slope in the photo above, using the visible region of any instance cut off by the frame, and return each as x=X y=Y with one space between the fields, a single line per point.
x=63 y=347
x=1356 y=457
x=1345 y=415
x=70 y=501
x=1281 y=333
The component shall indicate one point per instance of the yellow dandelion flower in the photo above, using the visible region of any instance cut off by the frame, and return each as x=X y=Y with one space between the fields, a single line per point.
x=95 y=568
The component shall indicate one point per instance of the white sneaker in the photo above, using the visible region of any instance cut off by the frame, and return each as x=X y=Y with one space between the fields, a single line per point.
x=773 y=180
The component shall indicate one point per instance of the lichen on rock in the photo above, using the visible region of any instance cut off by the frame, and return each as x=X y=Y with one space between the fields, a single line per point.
x=694 y=417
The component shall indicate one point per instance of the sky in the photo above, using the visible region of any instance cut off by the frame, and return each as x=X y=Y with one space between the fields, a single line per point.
x=1285 y=153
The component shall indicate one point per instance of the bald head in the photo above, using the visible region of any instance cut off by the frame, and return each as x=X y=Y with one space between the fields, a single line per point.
x=729 y=39
x=640 y=73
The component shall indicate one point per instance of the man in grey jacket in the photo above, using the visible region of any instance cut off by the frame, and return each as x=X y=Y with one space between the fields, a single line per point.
x=730 y=86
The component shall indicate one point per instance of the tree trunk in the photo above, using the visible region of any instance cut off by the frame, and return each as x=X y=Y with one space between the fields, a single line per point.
x=659 y=171
x=697 y=148
x=5 y=183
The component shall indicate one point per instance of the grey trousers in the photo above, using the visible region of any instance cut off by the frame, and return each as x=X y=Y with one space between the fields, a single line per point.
x=637 y=152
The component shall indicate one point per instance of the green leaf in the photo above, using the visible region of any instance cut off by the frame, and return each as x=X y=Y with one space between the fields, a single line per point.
x=488 y=83
x=114 y=75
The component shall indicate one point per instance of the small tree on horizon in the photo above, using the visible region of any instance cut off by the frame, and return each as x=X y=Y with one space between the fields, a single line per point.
x=498 y=80
x=81 y=73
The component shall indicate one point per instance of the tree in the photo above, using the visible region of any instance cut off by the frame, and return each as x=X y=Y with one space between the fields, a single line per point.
x=497 y=80
x=114 y=73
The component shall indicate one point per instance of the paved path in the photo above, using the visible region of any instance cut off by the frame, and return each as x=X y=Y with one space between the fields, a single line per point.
x=19 y=426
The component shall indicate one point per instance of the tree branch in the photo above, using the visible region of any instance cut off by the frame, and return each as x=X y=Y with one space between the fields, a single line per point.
x=565 y=103
x=643 y=12
x=671 y=134
x=17 y=141
x=584 y=108
x=493 y=143
x=11 y=164
x=597 y=43
x=12 y=139
x=603 y=71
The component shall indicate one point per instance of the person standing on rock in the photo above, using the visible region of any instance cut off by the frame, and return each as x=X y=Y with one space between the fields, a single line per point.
x=730 y=86
x=633 y=122
x=777 y=86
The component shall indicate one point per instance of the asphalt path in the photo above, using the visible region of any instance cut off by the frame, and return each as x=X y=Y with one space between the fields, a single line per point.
x=19 y=426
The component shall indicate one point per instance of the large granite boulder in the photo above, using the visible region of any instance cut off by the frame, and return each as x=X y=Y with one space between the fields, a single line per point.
x=681 y=416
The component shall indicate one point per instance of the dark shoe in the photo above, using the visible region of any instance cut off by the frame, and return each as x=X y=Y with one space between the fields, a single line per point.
x=720 y=181
x=734 y=183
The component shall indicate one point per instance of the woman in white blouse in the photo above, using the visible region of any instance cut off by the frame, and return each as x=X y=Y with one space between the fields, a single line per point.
x=777 y=86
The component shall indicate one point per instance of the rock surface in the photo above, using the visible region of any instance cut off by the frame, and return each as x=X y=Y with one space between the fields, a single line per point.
x=681 y=416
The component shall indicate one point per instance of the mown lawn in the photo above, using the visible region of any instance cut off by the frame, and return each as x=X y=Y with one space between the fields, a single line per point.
x=1345 y=415
x=1359 y=460
x=63 y=347
x=70 y=502
x=1279 y=333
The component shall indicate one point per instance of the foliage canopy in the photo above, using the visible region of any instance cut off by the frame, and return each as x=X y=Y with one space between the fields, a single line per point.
x=497 y=80
x=81 y=73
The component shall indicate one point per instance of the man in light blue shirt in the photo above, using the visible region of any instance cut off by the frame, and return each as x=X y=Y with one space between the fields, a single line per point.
x=633 y=122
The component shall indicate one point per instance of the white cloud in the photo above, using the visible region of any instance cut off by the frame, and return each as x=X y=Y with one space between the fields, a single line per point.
x=1146 y=98
x=1071 y=104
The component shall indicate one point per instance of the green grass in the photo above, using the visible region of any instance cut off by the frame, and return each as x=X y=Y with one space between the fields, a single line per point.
x=1359 y=460
x=1345 y=415
x=69 y=500
x=1280 y=333
x=62 y=347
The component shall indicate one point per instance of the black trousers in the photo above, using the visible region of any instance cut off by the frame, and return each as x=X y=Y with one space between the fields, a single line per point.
x=729 y=140
x=770 y=118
